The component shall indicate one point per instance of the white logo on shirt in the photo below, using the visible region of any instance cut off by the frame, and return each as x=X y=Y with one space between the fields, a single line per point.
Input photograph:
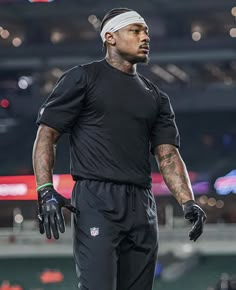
x=94 y=231
x=41 y=111
x=148 y=89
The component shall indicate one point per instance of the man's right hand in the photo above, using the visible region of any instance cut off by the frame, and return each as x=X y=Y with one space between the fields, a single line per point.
x=50 y=215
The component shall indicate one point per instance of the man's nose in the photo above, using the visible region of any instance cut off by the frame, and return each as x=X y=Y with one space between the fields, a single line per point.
x=145 y=37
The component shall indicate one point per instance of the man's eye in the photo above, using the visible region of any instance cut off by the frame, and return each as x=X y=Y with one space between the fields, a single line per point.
x=135 y=30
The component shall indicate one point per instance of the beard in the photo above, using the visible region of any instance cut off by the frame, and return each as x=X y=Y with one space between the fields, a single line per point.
x=140 y=59
x=134 y=59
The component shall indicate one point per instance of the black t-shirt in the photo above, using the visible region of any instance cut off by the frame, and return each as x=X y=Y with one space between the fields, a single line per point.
x=114 y=120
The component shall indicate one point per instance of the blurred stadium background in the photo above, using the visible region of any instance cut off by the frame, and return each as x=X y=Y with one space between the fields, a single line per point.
x=193 y=59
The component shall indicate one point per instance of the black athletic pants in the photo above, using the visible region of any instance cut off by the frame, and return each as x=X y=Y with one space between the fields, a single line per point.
x=115 y=237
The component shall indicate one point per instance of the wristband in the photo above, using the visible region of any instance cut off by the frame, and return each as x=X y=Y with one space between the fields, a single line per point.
x=45 y=184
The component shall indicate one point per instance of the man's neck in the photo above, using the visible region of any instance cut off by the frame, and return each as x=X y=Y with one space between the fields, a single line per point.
x=121 y=64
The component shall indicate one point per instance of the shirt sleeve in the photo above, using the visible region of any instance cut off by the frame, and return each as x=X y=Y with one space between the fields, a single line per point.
x=64 y=104
x=164 y=129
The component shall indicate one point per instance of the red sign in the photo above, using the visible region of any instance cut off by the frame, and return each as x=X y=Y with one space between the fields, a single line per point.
x=24 y=188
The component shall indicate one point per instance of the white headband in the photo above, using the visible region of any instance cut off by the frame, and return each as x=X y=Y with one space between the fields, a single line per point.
x=121 y=21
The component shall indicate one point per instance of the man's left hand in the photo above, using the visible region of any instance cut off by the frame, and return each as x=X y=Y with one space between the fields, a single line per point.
x=196 y=216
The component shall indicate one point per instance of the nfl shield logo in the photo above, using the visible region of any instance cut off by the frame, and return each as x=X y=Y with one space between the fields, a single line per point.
x=94 y=232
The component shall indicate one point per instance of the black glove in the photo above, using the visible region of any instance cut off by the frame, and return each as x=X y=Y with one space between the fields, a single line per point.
x=196 y=216
x=50 y=215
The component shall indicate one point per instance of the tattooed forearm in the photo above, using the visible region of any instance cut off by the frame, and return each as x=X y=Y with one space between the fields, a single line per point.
x=174 y=172
x=44 y=154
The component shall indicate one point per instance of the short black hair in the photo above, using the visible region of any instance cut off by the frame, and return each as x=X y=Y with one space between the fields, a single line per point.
x=112 y=13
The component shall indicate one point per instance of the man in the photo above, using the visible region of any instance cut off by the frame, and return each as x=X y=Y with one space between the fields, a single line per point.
x=114 y=117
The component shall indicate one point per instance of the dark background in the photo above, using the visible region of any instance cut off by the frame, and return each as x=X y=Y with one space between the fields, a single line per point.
x=192 y=59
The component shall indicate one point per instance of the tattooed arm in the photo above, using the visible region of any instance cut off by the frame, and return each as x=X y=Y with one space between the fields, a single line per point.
x=50 y=202
x=44 y=154
x=176 y=178
x=174 y=172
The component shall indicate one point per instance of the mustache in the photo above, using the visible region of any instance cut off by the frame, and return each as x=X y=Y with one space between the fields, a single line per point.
x=145 y=46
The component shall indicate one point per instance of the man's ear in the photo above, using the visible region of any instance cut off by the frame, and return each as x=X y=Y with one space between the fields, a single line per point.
x=110 y=38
